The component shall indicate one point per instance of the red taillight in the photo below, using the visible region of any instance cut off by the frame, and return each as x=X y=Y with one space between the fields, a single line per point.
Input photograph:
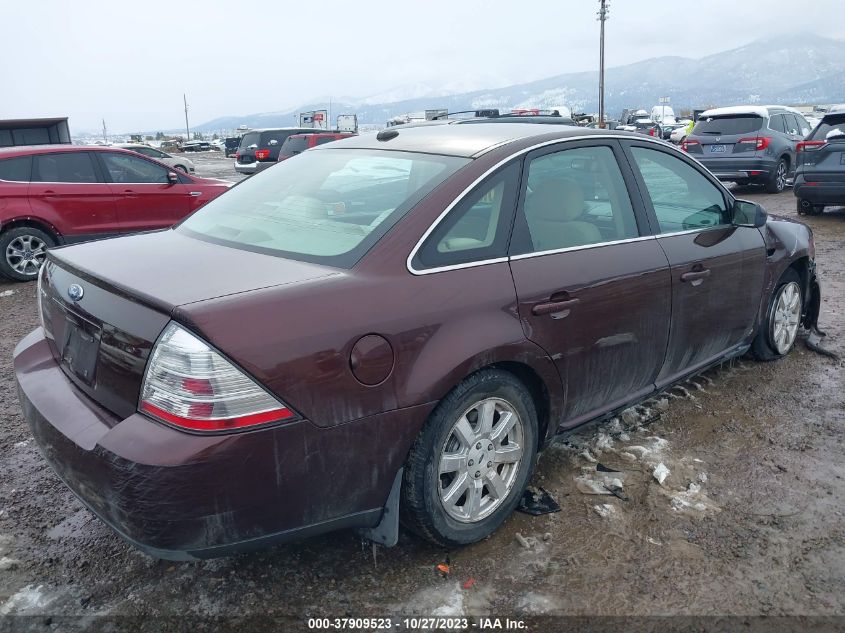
x=237 y=155
x=191 y=386
x=759 y=142
x=810 y=146
x=686 y=144
x=261 y=154
x=652 y=131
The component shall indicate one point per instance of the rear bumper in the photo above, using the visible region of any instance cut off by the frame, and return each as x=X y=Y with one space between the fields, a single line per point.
x=245 y=168
x=819 y=192
x=181 y=497
x=752 y=170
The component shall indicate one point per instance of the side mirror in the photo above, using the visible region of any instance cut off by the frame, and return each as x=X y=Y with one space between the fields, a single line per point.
x=747 y=213
x=172 y=177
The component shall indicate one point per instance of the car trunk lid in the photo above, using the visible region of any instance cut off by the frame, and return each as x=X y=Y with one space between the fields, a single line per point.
x=102 y=324
x=720 y=136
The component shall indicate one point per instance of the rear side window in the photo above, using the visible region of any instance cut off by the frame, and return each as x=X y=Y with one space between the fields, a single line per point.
x=727 y=125
x=776 y=123
x=573 y=198
x=325 y=139
x=64 y=167
x=16 y=169
x=478 y=228
x=682 y=198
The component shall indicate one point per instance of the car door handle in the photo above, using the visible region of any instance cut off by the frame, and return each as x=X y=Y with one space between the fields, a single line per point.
x=195 y=193
x=696 y=276
x=552 y=307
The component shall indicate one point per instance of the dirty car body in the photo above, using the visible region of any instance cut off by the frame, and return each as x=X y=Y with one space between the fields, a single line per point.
x=416 y=260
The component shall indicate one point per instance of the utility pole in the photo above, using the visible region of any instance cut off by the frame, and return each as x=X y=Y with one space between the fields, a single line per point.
x=603 y=17
x=105 y=133
x=187 y=127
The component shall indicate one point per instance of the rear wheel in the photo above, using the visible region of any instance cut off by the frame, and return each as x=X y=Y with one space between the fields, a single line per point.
x=469 y=467
x=777 y=180
x=182 y=168
x=779 y=330
x=22 y=251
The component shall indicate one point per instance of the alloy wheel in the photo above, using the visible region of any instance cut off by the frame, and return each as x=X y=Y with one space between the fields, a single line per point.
x=781 y=176
x=480 y=460
x=25 y=254
x=786 y=316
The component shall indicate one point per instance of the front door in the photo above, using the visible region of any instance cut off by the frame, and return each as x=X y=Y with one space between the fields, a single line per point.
x=593 y=284
x=146 y=199
x=717 y=268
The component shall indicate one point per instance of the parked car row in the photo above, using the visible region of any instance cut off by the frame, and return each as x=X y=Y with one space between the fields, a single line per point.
x=260 y=149
x=426 y=307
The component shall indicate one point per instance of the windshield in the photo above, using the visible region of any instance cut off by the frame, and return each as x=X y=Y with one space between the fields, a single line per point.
x=326 y=207
x=727 y=125
x=250 y=138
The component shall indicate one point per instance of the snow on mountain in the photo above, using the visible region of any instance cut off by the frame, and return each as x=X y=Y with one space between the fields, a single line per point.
x=801 y=69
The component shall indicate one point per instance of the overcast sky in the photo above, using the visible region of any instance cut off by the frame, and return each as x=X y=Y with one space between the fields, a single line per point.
x=130 y=61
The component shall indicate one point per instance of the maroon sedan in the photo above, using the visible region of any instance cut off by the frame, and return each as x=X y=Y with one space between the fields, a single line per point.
x=393 y=324
x=61 y=194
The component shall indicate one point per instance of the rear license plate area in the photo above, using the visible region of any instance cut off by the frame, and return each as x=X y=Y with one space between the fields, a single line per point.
x=80 y=347
x=718 y=149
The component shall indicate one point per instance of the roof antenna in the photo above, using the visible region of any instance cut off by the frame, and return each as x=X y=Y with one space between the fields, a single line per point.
x=386 y=135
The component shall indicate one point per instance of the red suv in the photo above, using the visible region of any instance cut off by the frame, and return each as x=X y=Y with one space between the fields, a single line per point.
x=57 y=194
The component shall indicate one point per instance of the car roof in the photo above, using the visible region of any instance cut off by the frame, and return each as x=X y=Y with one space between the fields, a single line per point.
x=465 y=141
x=761 y=111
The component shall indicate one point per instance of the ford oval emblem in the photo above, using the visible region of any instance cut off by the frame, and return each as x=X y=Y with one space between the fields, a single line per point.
x=75 y=292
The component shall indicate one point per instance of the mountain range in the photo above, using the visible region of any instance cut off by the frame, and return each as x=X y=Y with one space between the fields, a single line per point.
x=794 y=69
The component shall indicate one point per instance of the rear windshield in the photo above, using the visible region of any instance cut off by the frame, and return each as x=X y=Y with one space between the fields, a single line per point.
x=294 y=145
x=829 y=128
x=727 y=125
x=327 y=207
x=250 y=138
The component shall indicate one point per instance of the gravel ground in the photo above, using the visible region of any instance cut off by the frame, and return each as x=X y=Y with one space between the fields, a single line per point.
x=749 y=520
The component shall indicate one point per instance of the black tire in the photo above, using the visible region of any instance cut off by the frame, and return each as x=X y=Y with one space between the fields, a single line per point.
x=805 y=207
x=182 y=168
x=23 y=268
x=763 y=347
x=777 y=179
x=422 y=510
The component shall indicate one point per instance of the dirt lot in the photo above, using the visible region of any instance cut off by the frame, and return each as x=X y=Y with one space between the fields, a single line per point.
x=749 y=521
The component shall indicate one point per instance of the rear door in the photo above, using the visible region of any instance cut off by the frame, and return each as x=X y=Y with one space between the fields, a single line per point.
x=716 y=268
x=592 y=282
x=68 y=190
x=146 y=199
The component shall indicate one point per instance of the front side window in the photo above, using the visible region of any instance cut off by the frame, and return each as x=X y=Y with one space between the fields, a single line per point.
x=478 y=228
x=683 y=199
x=15 y=169
x=575 y=197
x=64 y=167
x=326 y=207
x=126 y=168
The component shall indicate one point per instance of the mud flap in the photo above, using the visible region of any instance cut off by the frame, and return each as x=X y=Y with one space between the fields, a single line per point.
x=811 y=320
x=387 y=531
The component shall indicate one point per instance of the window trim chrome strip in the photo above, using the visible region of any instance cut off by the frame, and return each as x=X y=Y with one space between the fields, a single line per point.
x=477 y=181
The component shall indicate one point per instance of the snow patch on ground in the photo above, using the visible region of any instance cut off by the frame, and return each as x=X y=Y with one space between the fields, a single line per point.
x=30 y=599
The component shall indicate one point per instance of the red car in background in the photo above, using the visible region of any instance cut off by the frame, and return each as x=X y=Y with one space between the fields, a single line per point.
x=62 y=194
x=298 y=143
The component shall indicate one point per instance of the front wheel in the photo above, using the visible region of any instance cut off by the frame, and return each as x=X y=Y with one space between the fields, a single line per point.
x=472 y=461
x=182 y=168
x=23 y=251
x=777 y=181
x=779 y=329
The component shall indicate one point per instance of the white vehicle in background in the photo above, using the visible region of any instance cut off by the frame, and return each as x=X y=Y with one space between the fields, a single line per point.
x=678 y=135
x=662 y=114
x=177 y=162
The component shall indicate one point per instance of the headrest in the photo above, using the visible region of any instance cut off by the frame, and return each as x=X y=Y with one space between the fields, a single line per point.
x=557 y=200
